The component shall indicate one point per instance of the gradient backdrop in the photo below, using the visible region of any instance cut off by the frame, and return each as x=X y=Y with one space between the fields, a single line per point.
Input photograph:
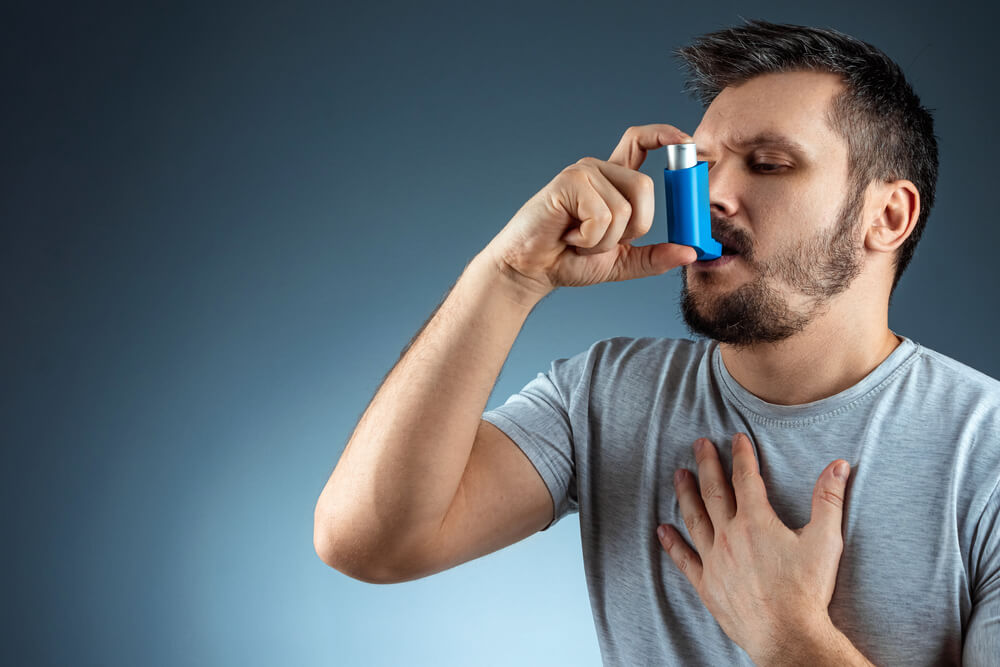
x=222 y=224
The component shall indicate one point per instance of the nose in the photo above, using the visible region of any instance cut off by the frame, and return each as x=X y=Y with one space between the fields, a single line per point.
x=723 y=186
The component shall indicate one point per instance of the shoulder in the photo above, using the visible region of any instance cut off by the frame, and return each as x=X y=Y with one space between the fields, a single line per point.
x=958 y=384
x=637 y=364
x=954 y=369
x=956 y=408
x=625 y=350
x=623 y=370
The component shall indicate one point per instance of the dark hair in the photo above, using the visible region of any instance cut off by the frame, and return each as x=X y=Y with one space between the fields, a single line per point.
x=889 y=134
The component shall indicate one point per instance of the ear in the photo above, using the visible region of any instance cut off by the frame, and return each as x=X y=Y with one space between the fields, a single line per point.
x=895 y=215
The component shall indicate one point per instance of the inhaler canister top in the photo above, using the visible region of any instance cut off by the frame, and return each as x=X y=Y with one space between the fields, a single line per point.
x=681 y=156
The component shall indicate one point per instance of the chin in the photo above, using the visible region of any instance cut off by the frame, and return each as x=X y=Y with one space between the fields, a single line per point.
x=745 y=315
x=712 y=282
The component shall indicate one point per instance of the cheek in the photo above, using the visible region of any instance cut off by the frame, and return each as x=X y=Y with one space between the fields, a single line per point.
x=784 y=217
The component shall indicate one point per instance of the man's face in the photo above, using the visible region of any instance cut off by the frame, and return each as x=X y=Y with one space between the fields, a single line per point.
x=783 y=207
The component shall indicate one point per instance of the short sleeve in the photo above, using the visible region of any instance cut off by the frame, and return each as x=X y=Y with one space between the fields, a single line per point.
x=982 y=635
x=539 y=420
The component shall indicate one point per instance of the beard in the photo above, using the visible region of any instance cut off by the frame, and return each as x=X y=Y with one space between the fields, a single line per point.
x=818 y=268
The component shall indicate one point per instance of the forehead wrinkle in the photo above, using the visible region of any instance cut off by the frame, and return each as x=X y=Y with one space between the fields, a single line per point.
x=768 y=139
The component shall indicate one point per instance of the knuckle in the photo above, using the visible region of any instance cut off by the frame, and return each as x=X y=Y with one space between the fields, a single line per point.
x=711 y=491
x=624 y=211
x=644 y=225
x=646 y=262
x=647 y=183
x=587 y=160
x=744 y=475
x=578 y=177
x=694 y=521
x=832 y=497
x=682 y=563
x=743 y=527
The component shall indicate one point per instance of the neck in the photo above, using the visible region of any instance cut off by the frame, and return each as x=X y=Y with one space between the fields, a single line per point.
x=835 y=351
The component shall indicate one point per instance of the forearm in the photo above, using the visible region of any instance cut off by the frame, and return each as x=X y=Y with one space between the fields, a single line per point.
x=401 y=468
x=819 y=645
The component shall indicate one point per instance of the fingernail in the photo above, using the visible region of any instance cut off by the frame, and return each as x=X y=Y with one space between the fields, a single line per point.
x=661 y=531
x=841 y=470
x=678 y=475
x=698 y=445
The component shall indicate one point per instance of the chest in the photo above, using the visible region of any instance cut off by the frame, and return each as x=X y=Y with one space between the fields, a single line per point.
x=901 y=593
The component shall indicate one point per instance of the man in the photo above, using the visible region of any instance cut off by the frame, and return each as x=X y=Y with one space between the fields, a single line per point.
x=822 y=167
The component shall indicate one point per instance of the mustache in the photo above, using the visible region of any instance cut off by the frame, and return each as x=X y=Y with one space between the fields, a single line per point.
x=732 y=236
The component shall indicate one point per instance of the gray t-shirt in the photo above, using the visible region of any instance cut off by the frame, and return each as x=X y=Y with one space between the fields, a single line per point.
x=919 y=579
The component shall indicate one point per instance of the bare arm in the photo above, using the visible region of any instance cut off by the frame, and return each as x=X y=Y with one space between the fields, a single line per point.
x=413 y=479
x=396 y=479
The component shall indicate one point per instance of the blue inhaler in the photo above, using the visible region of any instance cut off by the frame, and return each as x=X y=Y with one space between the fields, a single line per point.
x=688 y=218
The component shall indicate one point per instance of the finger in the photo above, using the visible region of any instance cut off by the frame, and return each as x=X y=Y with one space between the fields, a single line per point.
x=828 y=498
x=586 y=203
x=696 y=518
x=616 y=210
x=751 y=496
x=652 y=260
x=715 y=489
x=640 y=191
x=631 y=149
x=686 y=560
x=630 y=194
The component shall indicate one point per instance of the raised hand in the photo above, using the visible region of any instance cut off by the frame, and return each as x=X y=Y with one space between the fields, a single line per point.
x=578 y=229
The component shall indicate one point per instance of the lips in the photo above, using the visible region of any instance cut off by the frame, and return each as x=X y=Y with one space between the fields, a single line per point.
x=705 y=265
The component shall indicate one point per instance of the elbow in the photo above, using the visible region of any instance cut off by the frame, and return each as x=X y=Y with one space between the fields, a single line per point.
x=323 y=544
x=353 y=562
x=323 y=536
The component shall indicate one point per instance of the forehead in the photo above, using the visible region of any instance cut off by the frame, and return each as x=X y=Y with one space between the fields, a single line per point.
x=793 y=105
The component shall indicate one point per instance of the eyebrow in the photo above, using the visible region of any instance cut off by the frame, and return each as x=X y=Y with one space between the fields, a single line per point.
x=770 y=140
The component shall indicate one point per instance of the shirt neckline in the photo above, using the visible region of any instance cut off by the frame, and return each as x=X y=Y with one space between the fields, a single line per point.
x=825 y=407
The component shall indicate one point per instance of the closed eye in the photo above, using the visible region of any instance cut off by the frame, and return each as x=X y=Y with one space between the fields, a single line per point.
x=771 y=167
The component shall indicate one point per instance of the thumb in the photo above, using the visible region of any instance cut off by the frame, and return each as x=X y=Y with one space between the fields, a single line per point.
x=653 y=260
x=828 y=498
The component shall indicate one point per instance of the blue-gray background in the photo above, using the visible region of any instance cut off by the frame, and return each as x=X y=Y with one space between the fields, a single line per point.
x=220 y=226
